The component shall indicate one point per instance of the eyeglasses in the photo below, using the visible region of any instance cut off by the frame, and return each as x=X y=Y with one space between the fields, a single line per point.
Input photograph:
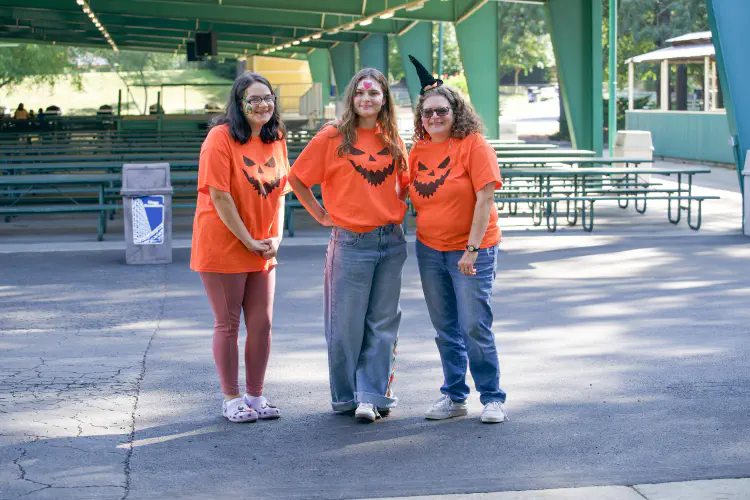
x=255 y=100
x=427 y=112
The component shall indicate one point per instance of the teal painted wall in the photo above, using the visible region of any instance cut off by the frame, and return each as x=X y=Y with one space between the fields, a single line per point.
x=417 y=42
x=576 y=33
x=320 y=69
x=342 y=58
x=685 y=134
x=478 y=42
x=373 y=53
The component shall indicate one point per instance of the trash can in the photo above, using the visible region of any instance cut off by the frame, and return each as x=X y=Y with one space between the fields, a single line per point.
x=746 y=196
x=634 y=144
x=147 y=201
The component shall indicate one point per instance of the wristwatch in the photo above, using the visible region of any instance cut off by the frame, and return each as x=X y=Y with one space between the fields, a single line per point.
x=472 y=248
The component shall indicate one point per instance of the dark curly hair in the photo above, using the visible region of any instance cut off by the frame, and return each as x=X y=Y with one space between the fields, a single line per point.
x=234 y=116
x=465 y=119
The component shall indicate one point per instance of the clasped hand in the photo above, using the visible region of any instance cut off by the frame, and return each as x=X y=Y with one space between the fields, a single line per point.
x=267 y=248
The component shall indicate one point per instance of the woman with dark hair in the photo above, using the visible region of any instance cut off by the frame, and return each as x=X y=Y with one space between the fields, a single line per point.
x=239 y=222
x=360 y=163
x=454 y=175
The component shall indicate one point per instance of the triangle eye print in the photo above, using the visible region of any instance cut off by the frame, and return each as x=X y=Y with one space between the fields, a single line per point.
x=366 y=164
x=264 y=178
x=428 y=180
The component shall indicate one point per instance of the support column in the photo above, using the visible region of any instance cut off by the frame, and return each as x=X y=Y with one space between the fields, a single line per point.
x=681 y=87
x=714 y=86
x=417 y=41
x=631 y=86
x=576 y=32
x=320 y=69
x=477 y=37
x=342 y=58
x=729 y=20
x=664 y=86
x=373 y=53
x=706 y=83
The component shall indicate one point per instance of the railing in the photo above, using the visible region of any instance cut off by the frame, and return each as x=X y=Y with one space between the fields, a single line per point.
x=311 y=103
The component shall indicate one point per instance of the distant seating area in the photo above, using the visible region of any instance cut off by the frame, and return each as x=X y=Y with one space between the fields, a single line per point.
x=77 y=171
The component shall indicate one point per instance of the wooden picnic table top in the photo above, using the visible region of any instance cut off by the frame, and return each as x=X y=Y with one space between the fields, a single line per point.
x=92 y=165
x=586 y=172
x=516 y=153
x=51 y=151
x=26 y=180
x=128 y=157
x=563 y=159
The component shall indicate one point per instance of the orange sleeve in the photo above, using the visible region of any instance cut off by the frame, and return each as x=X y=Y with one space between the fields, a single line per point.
x=310 y=165
x=483 y=168
x=287 y=168
x=214 y=166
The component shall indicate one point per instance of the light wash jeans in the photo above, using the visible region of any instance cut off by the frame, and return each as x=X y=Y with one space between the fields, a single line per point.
x=362 y=314
x=461 y=313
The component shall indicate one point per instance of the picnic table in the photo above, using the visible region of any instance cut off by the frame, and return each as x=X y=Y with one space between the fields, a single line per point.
x=579 y=188
x=541 y=161
x=548 y=153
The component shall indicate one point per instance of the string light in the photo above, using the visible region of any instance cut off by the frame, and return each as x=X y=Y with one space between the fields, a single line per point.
x=87 y=10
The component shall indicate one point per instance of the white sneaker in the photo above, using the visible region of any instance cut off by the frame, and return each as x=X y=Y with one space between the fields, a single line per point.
x=445 y=407
x=494 y=413
x=366 y=411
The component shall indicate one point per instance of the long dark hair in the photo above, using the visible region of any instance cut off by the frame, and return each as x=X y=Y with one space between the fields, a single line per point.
x=234 y=115
x=347 y=126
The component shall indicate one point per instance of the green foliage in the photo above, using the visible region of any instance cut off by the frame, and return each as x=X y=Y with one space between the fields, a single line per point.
x=459 y=82
x=395 y=66
x=645 y=25
x=451 y=55
x=524 y=42
x=35 y=64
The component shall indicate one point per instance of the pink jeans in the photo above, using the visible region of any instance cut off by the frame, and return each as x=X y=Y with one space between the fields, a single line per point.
x=229 y=294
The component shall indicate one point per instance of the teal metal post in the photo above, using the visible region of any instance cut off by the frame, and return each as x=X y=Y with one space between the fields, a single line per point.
x=119 y=109
x=478 y=41
x=729 y=20
x=440 y=49
x=417 y=41
x=612 y=76
x=373 y=53
x=320 y=69
x=576 y=32
x=342 y=58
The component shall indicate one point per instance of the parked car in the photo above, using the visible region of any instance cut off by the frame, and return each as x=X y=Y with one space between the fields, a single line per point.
x=53 y=111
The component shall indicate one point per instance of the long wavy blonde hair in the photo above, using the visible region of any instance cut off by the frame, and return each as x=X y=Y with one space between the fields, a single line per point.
x=465 y=119
x=347 y=125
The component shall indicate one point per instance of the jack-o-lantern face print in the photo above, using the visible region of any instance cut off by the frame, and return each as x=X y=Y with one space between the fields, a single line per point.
x=264 y=178
x=428 y=180
x=367 y=167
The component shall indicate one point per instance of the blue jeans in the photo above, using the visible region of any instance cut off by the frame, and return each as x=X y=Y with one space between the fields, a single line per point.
x=461 y=313
x=362 y=314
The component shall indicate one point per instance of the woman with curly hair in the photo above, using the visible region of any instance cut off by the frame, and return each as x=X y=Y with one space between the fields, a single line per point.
x=360 y=163
x=454 y=175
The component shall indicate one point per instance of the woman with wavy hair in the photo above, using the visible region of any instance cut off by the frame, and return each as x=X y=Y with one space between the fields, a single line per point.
x=454 y=175
x=239 y=221
x=360 y=163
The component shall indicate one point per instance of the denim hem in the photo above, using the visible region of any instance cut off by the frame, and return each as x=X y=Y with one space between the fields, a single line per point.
x=376 y=399
x=491 y=400
x=343 y=405
x=452 y=398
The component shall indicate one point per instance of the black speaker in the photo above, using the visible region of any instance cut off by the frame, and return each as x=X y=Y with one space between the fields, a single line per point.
x=190 y=48
x=205 y=43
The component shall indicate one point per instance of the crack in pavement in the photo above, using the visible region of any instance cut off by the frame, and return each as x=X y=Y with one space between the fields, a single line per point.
x=141 y=376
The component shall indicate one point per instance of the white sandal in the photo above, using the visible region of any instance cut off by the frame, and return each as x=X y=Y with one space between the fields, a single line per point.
x=237 y=411
x=260 y=404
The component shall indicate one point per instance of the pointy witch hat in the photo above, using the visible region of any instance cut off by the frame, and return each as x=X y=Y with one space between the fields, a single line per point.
x=426 y=80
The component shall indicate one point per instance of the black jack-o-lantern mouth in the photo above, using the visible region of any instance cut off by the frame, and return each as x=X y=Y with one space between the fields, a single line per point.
x=427 y=189
x=263 y=187
x=373 y=177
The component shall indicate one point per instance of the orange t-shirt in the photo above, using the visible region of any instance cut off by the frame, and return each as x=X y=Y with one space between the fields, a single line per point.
x=359 y=190
x=445 y=179
x=255 y=174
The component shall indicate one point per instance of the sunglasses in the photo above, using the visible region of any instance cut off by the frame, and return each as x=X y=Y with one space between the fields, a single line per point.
x=427 y=112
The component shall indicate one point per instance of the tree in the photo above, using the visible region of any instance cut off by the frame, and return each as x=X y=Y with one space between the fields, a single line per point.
x=35 y=64
x=524 y=42
x=451 y=55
